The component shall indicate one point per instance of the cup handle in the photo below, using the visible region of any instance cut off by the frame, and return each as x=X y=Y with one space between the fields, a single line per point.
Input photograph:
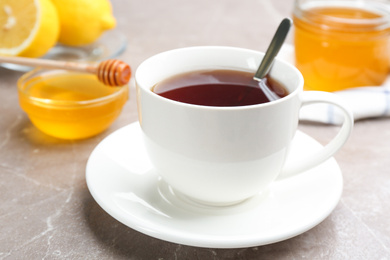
x=311 y=97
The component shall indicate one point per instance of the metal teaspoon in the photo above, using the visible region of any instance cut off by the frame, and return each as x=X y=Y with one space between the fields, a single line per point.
x=272 y=51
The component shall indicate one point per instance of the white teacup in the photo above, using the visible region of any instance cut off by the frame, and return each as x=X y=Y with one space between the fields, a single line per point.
x=224 y=155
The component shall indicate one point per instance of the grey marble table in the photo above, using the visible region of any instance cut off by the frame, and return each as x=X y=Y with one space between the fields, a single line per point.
x=47 y=211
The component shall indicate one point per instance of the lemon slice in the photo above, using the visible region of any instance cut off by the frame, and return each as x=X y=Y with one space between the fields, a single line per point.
x=27 y=27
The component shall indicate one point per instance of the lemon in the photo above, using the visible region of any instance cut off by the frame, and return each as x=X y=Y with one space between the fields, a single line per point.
x=27 y=27
x=83 y=21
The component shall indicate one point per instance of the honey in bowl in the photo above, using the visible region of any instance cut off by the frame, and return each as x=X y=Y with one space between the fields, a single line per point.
x=69 y=105
x=342 y=44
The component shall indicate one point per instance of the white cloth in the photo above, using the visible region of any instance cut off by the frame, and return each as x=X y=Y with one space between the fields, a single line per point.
x=365 y=102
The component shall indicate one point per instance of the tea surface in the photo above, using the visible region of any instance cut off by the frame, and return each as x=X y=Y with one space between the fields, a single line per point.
x=223 y=88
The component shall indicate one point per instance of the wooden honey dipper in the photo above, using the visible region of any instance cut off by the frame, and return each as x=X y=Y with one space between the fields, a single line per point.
x=110 y=72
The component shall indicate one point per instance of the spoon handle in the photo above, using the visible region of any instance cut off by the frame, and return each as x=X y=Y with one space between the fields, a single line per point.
x=273 y=48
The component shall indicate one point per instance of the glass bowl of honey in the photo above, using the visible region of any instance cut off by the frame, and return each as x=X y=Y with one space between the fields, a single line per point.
x=342 y=44
x=69 y=105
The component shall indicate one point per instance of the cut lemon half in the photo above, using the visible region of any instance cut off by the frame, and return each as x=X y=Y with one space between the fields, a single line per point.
x=28 y=28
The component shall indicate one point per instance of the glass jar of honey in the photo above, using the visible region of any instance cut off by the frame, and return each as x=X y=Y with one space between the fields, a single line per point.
x=342 y=44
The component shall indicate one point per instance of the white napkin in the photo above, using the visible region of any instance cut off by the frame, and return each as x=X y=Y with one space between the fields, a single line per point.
x=365 y=102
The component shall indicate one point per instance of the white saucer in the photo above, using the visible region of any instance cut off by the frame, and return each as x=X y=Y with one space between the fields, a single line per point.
x=122 y=180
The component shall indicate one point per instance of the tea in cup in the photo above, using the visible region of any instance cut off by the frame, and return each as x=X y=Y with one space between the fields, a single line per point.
x=217 y=87
x=223 y=152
